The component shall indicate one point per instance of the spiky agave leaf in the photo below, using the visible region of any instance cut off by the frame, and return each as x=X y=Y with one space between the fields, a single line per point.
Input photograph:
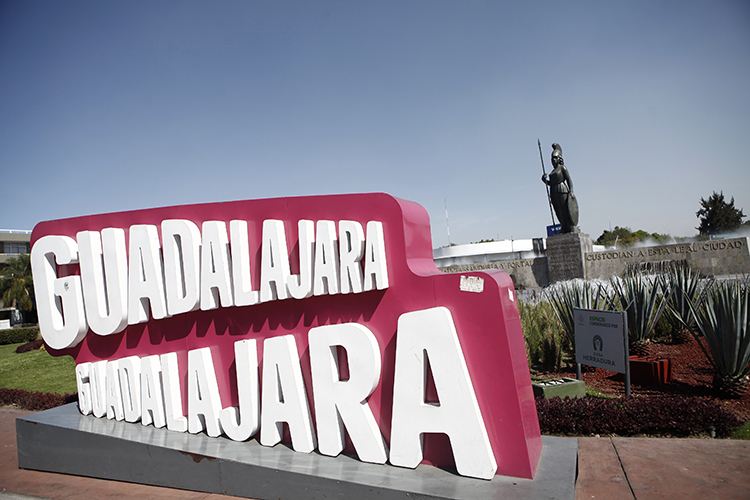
x=643 y=299
x=724 y=321
x=576 y=294
x=685 y=291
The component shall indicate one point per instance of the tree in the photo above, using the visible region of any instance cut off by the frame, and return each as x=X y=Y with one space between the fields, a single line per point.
x=717 y=216
x=619 y=235
x=16 y=283
x=625 y=238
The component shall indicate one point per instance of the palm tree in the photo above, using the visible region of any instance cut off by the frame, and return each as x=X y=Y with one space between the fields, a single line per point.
x=16 y=283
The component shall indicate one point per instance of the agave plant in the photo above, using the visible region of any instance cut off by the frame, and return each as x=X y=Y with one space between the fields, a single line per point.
x=643 y=298
x=724 y=321
x=685 y=295
x=567 y=295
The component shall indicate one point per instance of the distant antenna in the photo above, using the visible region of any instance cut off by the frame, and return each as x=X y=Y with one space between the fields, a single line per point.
x=447 y=225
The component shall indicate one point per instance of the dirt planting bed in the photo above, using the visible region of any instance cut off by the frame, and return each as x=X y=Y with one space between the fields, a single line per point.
x=692 y=375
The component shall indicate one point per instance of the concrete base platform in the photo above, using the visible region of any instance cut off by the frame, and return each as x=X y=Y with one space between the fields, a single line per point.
x=64 y=441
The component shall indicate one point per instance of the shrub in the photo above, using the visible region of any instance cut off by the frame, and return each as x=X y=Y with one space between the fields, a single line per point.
x=543 y=335
x=18 y=335
x=664 y=331
x=742 y=432
x=34 y=401
x=34 y=345
x=673 y=415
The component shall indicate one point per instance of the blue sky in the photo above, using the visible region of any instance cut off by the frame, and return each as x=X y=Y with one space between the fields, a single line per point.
x=109 y=106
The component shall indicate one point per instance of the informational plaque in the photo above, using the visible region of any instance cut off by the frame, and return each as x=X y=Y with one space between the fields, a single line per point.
x=601 y=339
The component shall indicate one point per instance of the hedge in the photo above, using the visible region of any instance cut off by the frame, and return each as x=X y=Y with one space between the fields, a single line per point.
x=34 y=401
x=667 y=416
x=18 y=335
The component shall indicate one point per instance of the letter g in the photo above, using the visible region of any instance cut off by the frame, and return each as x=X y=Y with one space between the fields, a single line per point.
x=62 y=319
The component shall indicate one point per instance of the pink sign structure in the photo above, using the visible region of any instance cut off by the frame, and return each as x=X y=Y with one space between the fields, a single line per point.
x=317 y=321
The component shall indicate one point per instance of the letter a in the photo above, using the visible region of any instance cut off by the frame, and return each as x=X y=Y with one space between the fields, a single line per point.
x=431 y=333
x=204 y=402
x=283 y=398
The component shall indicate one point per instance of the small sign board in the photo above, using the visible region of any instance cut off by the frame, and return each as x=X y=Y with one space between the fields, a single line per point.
x=553 y=230
x=601 y=339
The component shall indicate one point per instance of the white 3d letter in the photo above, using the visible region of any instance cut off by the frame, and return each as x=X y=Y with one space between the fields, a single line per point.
x=326 y=259
x=301 y=287
x=204 y=403
x=146 y=280
x=376 y=268
x=114 y=394
x=274 y=262
x=98 y=385
x=283 y=396
x=351 y=250
x=84 y=388
x=340 y=404
x=240 y=423
x=431 y=333
x=244 y=295
x=62 y=318
x=181 y=243
x=104 y=276
x=152 y=395
x=130 y=387
x=216 y=280
x=170 y=374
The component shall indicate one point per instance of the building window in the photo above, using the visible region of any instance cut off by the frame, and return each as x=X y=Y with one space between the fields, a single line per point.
x=12 y=247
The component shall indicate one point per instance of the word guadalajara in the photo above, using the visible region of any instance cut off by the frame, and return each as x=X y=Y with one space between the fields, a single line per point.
x=210 y=267
x=193 y=269
x=148 y=389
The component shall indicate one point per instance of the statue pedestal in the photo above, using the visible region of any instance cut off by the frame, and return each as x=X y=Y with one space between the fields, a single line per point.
x=565 y=254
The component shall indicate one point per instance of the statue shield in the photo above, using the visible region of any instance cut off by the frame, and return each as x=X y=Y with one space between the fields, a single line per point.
x=572 y=203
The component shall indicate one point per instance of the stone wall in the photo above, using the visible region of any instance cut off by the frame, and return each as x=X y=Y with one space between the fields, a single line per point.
x=711 y=258
x=526 y=273
x=570 y=256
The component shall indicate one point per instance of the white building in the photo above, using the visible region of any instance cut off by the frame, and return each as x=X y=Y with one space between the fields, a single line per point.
x=12 y=243
x=476 y=253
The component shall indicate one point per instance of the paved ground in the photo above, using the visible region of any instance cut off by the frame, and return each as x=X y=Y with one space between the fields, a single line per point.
x=608 y=468
x=648 y=468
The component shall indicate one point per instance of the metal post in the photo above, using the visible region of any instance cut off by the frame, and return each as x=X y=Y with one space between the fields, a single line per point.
x=447 y=226
x=627 y=354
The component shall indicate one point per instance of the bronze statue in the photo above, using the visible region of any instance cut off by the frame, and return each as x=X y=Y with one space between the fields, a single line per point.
x=561 y=192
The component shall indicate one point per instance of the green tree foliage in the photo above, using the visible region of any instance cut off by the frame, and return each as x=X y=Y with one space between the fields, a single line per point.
x=717 y=216
x=625 y=237
x=16 y=284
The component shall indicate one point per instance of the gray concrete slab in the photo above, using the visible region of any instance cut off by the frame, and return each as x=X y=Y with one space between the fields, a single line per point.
x=64 y=441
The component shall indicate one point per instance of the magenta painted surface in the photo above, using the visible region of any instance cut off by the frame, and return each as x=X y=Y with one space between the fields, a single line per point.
x=487 y=323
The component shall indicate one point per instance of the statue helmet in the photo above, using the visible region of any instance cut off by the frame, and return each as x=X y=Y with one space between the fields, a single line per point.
x=556 y=150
